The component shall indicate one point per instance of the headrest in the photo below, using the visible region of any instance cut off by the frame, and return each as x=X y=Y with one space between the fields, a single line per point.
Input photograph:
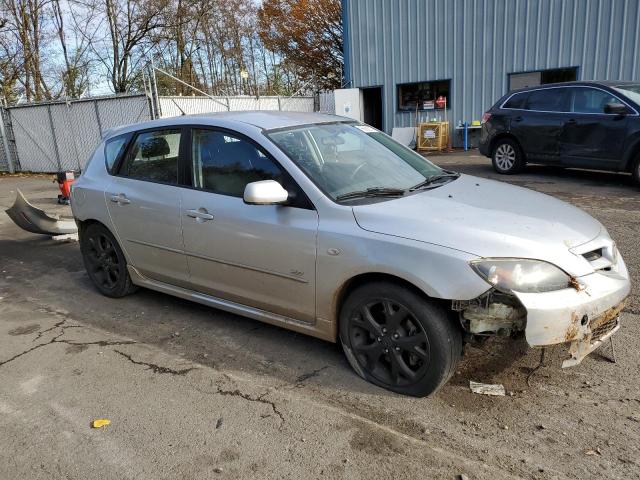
x=155 y=147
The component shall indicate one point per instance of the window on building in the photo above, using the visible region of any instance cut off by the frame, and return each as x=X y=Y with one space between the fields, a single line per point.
x=542 y=77
x=424 y=95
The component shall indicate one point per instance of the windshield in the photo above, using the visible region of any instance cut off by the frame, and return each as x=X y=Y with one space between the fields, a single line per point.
x=343 y=158
x=631 y=91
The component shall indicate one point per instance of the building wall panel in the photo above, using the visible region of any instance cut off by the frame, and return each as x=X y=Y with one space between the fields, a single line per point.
x=477 y=43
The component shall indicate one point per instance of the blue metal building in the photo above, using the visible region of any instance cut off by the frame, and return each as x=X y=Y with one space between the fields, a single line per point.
x=404 y=55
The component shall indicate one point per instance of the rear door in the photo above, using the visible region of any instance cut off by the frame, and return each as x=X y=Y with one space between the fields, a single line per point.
x=538 y=124
x=591 y=137
x=263 y=256
x=143 y=200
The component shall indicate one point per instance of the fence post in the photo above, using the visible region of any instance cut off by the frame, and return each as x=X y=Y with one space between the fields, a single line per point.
x=95 y=108
x=55 y=140
x=5 y=142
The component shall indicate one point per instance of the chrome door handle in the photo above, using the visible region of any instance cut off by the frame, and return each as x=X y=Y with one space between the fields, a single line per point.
x=200 y=214
x=120 y=198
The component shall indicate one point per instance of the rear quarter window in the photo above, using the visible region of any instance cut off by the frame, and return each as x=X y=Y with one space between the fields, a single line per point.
x=113 y=150
x=516 y=101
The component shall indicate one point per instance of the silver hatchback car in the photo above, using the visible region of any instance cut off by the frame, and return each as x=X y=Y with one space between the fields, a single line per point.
x=329 y=227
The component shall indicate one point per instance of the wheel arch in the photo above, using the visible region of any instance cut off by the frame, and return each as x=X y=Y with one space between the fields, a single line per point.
x=632 y=155
x=503 y=136
x=361 y=279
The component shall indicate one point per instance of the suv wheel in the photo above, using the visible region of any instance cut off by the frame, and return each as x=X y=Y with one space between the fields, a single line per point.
x=105 y=262
x=507 y=157
x=635 y=172
x=399 y=340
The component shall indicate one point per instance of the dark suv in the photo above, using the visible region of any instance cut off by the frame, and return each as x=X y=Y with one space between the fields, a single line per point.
x=576 y=124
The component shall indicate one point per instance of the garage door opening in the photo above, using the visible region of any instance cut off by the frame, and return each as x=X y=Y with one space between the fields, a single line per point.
x=372 y=106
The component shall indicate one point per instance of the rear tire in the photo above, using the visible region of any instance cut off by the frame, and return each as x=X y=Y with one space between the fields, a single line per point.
x=397 y=339
x=105 y=262
x=507 y=157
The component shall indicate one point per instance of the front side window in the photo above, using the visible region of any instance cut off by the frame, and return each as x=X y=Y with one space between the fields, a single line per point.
x=342 y=158
x=424 y=95
x=224 y=164
x=154 y=157
x=548 y=100
x=631 y=91
x=591 y=100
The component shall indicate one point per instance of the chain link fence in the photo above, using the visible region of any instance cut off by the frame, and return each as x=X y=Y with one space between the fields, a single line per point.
x=61 y=135
x=176 y=106
x=327 y=103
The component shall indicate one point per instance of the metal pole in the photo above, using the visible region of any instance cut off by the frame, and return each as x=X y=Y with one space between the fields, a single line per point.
x=5 y=141
x=155 y=93
x=95 y=108
x=55 y=140
x=186 y=84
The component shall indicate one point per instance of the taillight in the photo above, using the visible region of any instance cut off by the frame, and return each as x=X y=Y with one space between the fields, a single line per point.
x=486 y=117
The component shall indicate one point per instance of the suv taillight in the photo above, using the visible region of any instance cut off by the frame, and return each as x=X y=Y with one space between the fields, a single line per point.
x=486 y=117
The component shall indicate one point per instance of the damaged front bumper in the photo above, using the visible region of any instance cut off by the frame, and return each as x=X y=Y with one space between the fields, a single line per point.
x=582 y=317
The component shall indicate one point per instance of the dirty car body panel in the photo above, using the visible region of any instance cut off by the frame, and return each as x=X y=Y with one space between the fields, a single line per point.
x=290 y=264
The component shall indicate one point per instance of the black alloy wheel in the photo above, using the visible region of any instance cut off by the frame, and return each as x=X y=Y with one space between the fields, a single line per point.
x=105 y=262
x=398 y=339
x=389 y=342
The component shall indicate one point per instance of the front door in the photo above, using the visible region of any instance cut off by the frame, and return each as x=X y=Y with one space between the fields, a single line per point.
x=262 y=256
x=144 y=204
x=592 y=137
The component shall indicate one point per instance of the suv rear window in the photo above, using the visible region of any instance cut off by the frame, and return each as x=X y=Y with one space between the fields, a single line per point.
x=549 y=100
x=516 y=101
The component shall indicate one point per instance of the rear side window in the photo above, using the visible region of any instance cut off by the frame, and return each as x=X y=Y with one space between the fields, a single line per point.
x=591 y=100
x=113 y=150
x=516 y=101
x=154 y=157
x=549 y=100
x=224 y=164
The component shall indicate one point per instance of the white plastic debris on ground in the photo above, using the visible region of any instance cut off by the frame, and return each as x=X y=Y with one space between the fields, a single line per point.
x=487 y=389
x=404 y=135
x=69 y=237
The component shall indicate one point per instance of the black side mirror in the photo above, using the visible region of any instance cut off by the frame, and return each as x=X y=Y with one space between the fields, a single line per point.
x=615 y=108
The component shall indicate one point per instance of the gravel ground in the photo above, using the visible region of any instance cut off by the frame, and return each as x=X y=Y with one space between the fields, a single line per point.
x=194 y=392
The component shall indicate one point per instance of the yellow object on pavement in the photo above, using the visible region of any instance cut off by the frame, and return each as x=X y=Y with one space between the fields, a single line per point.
x=100 y=422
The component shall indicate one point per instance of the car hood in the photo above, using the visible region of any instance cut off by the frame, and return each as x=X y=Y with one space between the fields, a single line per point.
x=485 y=218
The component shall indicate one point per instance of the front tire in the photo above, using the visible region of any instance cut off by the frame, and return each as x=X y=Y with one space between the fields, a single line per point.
x=105 y=262
x=635 y=172
x=397 y=339
x=507 y=157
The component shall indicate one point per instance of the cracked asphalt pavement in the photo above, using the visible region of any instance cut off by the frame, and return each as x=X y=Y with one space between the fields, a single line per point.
x=194 y=392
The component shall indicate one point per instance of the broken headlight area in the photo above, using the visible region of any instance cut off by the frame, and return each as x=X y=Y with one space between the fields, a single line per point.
x=493 y=313
x=521 y=275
